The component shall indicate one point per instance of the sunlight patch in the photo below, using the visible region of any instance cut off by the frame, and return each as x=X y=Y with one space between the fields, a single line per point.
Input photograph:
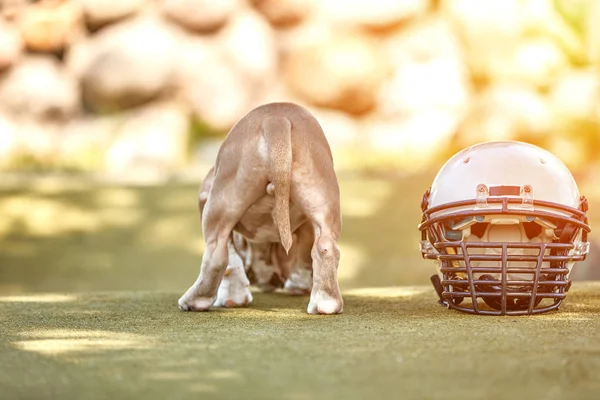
x=224 y=374
x=364 y=201
x=202 y=388
x=118 y=197
x=62 y=341
x=38 y=298
x=171 y=230
x=351 y=259
x=195 y=245
x=45 y=217
x=120 y=217
x=171 y=376
x=407 y=291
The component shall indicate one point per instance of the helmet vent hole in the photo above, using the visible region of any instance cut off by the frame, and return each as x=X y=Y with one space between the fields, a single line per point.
x=466 y=160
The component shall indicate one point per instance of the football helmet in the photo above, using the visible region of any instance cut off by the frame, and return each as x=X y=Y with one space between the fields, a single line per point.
x=505 y=222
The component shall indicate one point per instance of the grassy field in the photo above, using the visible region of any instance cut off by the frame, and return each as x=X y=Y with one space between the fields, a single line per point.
x=90 y=275
x=389 y=344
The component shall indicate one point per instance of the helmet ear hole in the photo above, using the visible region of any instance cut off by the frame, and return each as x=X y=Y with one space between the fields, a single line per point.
x=532 y=229
x=478 y=229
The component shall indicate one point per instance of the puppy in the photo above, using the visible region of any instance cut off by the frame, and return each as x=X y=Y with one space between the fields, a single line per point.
x=272 y=192
x=266 y=264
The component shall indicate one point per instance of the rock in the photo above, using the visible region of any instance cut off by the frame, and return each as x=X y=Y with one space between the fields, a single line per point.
x=428 y=71
x=248 y=42
x=377 y=15
x=8 y=140
x=593 y=33
x=50 y=26
x=412 y=142
x=11 y=45
x=479 y=25
x=30 y=145
x=501 y=18
x=538 y=61
x=340 y=128
x=126 y=64
x=573 y=148
x=276 y=90
x=200 y=16
x=588 y=179
x=284 y=13
x=496 y=44
x=506 y=111
x=205 y=153
x=39 y=88
x=218 y=93
x=84 y=141
x=576 y=94
x=99 y=13
x=343 y=134
x=342 y=71
x=547 y=18
x=151 y=139
x=11 y=10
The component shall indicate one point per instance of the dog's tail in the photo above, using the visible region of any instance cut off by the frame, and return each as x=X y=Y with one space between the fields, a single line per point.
x=278 y=132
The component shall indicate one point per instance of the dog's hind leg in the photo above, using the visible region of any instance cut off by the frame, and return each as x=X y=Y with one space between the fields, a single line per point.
x=234 y=290
x=228 y=201
x=319 y=200
x=325 y=297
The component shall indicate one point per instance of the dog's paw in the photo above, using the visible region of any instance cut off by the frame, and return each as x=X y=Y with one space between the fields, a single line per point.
x=195 y=304
x=236 y=299
x=299 y=283
x=322 y=303
x=233 y=292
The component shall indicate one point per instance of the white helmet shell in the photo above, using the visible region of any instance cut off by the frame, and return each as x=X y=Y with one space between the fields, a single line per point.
x=504 y=163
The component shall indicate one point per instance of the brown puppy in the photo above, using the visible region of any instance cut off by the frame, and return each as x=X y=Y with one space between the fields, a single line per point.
x=265 y=264
x=273 y=177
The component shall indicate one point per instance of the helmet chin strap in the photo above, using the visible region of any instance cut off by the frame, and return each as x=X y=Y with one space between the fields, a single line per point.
x=514 y=303
x=517 y=303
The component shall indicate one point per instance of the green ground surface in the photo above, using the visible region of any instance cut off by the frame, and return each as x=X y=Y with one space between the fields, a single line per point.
x=389 y=344
x=90 y=275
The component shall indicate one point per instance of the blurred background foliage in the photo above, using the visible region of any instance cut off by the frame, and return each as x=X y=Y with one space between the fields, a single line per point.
x=111 y=111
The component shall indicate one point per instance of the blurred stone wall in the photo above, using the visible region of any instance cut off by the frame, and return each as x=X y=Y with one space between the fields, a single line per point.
x=151 y=86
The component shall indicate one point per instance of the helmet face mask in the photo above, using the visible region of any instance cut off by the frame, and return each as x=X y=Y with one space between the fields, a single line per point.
x=500 y=249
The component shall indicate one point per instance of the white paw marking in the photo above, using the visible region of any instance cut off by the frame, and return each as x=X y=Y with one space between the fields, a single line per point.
x=234 y=290
x=195 y=304
x=299 y=282
x=322 y=303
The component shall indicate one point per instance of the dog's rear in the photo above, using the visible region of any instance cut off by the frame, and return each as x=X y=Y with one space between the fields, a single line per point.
x=282 y=146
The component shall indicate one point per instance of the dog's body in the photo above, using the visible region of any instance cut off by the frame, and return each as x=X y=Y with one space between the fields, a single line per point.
x=272 y=199
x=266 y=263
